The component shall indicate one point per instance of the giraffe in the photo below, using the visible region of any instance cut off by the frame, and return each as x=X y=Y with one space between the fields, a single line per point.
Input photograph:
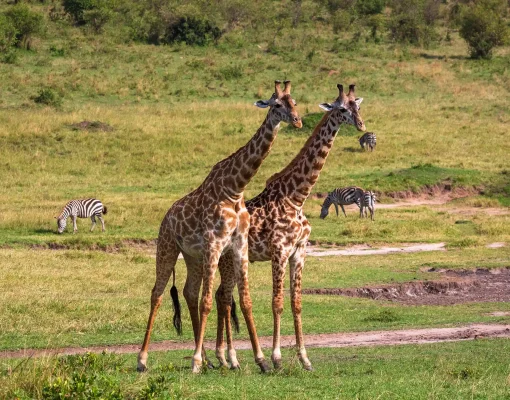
x=279 y=231
x=210 y=220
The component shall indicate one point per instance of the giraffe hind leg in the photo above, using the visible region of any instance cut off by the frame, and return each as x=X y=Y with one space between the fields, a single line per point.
x=166 y=257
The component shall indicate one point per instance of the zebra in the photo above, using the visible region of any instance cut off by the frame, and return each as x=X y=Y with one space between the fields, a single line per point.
x=368 y=141
x=342 y=196
x=83 y=208
x=367 y=202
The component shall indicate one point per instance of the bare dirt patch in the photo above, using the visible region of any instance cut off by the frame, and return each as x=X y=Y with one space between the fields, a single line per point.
x=353 y=339
x=457 y=286
x=92 y=126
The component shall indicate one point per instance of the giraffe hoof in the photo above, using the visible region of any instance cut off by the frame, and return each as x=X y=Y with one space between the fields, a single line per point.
x=141 y=368
x=264 y=367
x=277 y=364
x=308 y=367
x=235 y=367
x=210 y=365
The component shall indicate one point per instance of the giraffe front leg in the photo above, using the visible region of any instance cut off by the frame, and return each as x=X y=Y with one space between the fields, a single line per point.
x=210 y=265
x=191 y=295
x=297 y=262
x=220 y=344
x=279 y=261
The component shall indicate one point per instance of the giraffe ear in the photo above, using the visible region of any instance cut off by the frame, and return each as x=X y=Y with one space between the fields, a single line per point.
x=326 y=106
x=358 y=100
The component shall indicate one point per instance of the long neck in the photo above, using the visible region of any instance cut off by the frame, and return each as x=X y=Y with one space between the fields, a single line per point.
x=299 y=177
x=242 y=166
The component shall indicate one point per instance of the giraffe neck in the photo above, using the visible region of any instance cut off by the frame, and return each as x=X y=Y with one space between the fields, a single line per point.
x=241 y=166
x=299 y=178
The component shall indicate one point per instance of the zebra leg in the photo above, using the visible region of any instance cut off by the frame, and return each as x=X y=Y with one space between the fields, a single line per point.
x=75 y=227
x=93 y=219
x=341 y=205
x=102 y=222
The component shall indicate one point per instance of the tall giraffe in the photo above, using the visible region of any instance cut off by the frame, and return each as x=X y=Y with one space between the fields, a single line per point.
x=279 y=230
x=211 y=219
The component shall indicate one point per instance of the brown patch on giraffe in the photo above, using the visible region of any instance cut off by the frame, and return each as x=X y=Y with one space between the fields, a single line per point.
x=456 y=287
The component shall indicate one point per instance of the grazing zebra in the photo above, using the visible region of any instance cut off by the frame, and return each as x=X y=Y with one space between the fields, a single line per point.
x=368 y=141
x=367 y=202
x=83 y=209
x=342 y=197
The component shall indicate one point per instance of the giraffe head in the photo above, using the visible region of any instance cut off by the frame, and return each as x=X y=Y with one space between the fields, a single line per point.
x=347 y=106
x=282 y=105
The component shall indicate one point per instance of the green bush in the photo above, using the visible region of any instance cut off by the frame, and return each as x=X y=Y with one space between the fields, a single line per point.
x=77 y=8
x=97 y=18
x=483 y=27
x=48 y=97
x=8 y=33
x=193 y=31
x=26 y=23
x=408 y=23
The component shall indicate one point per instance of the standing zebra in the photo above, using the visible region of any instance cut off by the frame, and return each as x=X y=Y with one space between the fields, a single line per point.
x=83 y=209
x=342 y=196
x=368 y=141
x=367 y=201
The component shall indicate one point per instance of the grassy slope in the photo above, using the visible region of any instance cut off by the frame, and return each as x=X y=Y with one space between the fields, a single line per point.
x=178 y=110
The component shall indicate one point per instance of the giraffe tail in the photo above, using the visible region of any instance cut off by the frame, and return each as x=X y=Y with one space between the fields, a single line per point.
x=233 y=315
x=174 y=294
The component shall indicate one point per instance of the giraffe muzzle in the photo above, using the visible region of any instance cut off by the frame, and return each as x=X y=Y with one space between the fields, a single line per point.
x=297 y=123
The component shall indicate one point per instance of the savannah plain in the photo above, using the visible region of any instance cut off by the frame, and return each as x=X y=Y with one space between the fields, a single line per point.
x=441 y=170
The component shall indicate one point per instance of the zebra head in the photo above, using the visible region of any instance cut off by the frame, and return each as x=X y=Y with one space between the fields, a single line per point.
x=325 y=207
x=61 y=224
x=282 y=105
x=348 y=107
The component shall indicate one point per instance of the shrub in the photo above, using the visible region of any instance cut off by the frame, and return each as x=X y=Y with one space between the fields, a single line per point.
x=97 y=18
x=77 y=8
x=483 y=28
x=369 y=7
x=193 y=31
x=48 y=97
x=7 y=33
x=26 y=22
x=408 y=23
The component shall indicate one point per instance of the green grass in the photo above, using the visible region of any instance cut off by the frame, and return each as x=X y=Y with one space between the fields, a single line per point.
x=474 y=369
x=77 y=298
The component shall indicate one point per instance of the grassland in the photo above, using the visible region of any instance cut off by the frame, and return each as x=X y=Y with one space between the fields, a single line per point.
x=77 y=298
x=477 y=369
x=440 y=119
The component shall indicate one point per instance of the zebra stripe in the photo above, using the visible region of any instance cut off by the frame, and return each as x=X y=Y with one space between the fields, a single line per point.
x=341 y=197
x=368 y=141
x=368 y=202
x=83 y=208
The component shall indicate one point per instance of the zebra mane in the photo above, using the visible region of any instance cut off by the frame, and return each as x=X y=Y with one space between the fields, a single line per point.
x=301 y=152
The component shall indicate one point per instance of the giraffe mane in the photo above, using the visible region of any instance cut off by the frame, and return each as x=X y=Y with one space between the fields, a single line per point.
x=301 y=152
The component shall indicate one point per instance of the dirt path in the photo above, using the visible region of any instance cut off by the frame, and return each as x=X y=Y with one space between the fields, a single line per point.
x=376 y=338
x=314 y=251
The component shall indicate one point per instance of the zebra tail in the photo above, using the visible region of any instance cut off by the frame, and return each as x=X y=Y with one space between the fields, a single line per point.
x=105 y=210
x=174 y=294
x=233 y=315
